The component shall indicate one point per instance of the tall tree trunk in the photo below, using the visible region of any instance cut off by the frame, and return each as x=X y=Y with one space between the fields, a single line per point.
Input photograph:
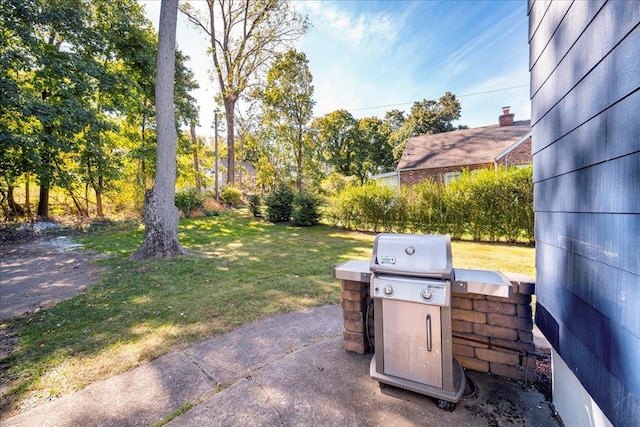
x=99 y=191
x=297 y=152
x=14 y=208
x=86 y=198
x=196 y=162
x=43 y=201
x=160 y=212
x=229 y=106
x=27 y=196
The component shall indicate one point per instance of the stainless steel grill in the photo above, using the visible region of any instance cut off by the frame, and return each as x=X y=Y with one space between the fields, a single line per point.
x=411 y=285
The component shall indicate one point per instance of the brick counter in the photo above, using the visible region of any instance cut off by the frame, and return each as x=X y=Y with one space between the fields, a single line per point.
x=490 y=334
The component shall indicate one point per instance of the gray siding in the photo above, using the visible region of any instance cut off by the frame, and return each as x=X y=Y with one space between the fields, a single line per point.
x=585 y=91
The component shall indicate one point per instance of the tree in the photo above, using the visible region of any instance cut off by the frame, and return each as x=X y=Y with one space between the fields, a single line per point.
x=427 y=117
x=69 y=83
x=337 y=134
x=161 y=214
x=54 y=80
x=353 y=147
x=245 y=36
x=187 y=111
x=17 y=147
x=376 y=151
x=288 y=105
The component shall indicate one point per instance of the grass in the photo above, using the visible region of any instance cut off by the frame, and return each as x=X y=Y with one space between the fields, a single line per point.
x=237 y=270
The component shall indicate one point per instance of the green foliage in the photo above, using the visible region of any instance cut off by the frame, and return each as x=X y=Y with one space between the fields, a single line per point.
x=336 y=134
x=288 y=108
x=488 y=205
x=306 y=209
x=255 y=205
x=370 y=207
x=335 y=183
x=353 y=147
x=427 y=213
x=268 y=26
x=76 y=98
x=427 y=117
x=231 y=196
x=279 y=204
x=188 y=200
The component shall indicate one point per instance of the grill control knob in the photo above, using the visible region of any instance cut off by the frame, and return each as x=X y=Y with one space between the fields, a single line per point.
x=426 y=295
x=387 y=290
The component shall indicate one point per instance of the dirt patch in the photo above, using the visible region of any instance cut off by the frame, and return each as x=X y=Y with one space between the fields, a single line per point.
x=543 y=374
x=40 y=271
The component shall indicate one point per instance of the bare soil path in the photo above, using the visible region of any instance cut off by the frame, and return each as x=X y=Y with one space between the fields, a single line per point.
x=42 y=271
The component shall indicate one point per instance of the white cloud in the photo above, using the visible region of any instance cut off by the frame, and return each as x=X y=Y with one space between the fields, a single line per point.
x=355 y=31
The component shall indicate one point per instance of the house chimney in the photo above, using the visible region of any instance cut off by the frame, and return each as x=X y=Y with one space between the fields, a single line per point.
x=506 y=119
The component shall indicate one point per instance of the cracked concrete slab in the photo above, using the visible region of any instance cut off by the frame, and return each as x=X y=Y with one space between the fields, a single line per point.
x=290 y=369
x=248 y=348
x=321 y=384
x=243 y=404
x=139 y=397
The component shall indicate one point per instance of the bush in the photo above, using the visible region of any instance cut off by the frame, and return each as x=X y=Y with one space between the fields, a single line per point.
x=188 y=200
x=231 y=196
x=488 y=204
x=279 y=204
x=335 y=183
x=254 y=205
x=370 y=207
x=305 y=209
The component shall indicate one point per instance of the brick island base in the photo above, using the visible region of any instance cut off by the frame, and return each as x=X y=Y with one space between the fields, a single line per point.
x=490 y=334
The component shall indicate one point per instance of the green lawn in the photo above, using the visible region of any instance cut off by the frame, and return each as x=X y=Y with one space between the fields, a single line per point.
x=237 y=269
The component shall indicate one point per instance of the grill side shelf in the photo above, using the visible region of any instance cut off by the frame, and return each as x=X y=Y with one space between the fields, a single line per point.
x=482 y=282
x=355 y=271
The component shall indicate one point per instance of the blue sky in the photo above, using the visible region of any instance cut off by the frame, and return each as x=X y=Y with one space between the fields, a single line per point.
x=388 y=54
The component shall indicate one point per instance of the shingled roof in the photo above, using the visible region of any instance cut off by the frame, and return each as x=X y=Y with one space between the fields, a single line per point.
x=462 y=147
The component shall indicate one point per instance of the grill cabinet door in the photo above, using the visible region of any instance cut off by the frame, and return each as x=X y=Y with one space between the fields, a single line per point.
x=412 y=341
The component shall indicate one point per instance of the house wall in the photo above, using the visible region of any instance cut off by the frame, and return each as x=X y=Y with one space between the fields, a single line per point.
x=585 y=91
x=389 y=179
x=411 y=177
x=521 y=155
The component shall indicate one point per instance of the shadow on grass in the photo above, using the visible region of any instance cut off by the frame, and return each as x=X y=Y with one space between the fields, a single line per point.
x=238 y=269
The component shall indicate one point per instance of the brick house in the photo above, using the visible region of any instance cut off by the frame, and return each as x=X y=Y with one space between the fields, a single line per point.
x=443 y=156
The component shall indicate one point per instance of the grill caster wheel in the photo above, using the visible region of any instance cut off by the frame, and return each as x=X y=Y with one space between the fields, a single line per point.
x=447 y=406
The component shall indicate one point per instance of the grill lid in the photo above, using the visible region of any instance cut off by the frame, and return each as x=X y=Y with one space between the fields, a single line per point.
x=412 y=255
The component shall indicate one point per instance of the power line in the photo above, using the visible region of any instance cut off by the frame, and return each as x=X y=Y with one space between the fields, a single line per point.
x=457 y=96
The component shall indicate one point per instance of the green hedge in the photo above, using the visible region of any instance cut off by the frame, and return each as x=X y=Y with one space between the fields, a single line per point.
x=487 y=205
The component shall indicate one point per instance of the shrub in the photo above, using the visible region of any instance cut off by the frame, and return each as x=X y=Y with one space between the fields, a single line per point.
x=488 y=204
x=188 y=200
x=305 y=209
x=279 y=204
x=254 y=205
x=231 y=196
x=370 y=207
x=426 y=210
x=335 y=183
